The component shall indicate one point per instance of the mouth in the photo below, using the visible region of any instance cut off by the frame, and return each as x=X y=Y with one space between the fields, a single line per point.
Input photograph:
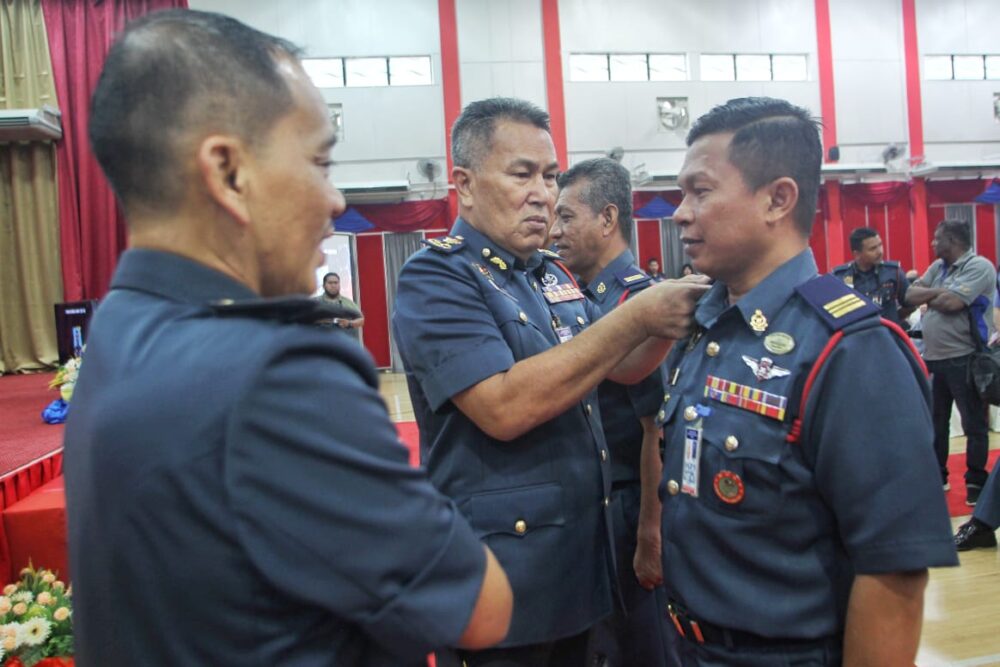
x=537 y=221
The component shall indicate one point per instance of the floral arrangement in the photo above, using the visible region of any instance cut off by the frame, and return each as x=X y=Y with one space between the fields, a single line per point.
x=65 y=379
x=35 y=619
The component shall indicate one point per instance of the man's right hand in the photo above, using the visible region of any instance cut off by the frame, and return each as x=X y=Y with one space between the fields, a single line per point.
x=666 y=309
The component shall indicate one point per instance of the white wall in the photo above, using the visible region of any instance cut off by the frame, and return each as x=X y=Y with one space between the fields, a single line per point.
x=600 y=115
x=386 y=129
x=958 y=115
x=500 y=49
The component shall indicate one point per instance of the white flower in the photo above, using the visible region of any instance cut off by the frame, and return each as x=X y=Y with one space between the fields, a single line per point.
x=10 y=630
x=22 y=596
x=36 y=631
x=10 y=589
x=9 y=643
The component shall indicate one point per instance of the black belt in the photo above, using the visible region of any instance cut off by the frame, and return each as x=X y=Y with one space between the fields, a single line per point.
x=703 y=632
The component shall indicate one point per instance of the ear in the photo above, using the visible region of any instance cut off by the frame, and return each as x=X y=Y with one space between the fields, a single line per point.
x=462 y=178
x=782 y=196
x=609 y=220
x=224 y=169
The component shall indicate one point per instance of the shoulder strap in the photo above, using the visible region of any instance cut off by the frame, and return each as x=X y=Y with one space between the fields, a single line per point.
x=838 y=305
x=445 y=244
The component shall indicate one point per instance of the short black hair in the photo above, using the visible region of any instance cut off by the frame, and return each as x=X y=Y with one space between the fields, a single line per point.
x=772 y=139
x=331 y=273
x=958 y=231
x=472 y=133
x=859 y=236
x=171 y=72
x=606 y=182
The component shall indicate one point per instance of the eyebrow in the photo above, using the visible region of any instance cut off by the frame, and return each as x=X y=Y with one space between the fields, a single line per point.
x=530 y=164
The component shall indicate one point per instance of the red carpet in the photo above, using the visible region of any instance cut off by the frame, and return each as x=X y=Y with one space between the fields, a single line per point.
x=956 y=476
x=24 y=437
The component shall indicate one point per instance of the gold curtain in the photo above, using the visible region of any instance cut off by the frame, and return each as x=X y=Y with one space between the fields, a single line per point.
x=30 y=277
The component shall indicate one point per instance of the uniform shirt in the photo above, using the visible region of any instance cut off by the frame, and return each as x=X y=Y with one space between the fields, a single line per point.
x=778 y=530
x=238 y=496
x=623 y=405
x=885 y=285
x=467 y=309
x=972 y=279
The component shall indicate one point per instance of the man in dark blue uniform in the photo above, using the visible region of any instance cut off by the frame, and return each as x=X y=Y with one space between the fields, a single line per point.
x=798 y=524
x=592 y=229
x=881 y=281
x=233 y=479
x=502 y=362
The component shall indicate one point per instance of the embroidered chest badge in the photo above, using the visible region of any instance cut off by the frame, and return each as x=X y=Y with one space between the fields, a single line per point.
x=764 y=368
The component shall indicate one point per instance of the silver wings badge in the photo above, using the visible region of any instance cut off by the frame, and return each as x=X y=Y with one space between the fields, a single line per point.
x=764 y=369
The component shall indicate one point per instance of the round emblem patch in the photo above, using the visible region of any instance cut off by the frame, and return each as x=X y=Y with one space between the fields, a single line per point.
x=729 y=487
x=549 y=280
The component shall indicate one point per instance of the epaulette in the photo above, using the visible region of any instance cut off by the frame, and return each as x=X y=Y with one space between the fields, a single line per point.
x=632 y=278
x=551 y=255
x=290 y=310
x=842 y=267
x=837 y=304
x=445 y=244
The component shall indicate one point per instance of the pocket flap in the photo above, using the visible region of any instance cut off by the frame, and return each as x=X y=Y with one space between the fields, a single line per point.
x=516 y=511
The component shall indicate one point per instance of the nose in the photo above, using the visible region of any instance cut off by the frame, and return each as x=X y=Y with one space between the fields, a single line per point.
x=556 y=231
x=338 y=203
x=682 y=215
x=539 y=192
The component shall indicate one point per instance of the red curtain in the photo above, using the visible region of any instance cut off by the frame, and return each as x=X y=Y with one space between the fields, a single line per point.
x=92 y=232
x=410 y=216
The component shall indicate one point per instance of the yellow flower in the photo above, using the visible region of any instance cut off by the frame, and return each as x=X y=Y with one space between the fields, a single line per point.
x=58 y=586
x=48 y=577
x=20 y=608
x=5 y=605
x=9 y=643
x=61 y=614
x=26 y=570
x=10 y=589
x=45 y=598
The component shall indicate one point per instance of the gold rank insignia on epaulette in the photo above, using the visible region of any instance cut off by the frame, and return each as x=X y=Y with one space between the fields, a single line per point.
x=499 y=262
x=843 y=305
x=291 y=310
x=548 y=253
x=445 y=244
x=836 y=303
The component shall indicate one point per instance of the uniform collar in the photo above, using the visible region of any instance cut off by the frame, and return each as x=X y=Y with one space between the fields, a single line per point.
x=492 y=255
x=176 y=278
x=855 y=269
x=761 y=304
x=607 y=276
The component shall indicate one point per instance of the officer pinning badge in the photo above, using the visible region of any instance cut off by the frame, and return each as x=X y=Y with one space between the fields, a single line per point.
x=601 y=288
x=729 y=487
x=779 y=343
x=758 y=322
x=764 y=368
x=549 y=280
x=746 y=397
x=499 y=262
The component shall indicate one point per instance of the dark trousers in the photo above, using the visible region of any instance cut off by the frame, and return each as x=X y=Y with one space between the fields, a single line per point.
x=638 y=634
x=950 y=384
x=568 y=652
x=988 y=507
x=820 y=654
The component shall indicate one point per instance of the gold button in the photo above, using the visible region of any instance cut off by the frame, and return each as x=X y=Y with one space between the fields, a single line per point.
x=666 y=397
x=732 y=443
x=520 y=527
x=712 y=349
x=604 y=455
x=673 y=488
x=690 y=413
x=524 y=318
x=661 y=414
x=534 y=285
x=580 y=320
x=607 y=501
x=589 y=409
x=486 y=252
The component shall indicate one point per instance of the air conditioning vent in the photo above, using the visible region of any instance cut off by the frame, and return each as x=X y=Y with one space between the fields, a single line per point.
x=43 y=124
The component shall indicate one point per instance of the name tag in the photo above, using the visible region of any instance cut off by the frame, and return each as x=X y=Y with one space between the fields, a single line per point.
x=692 y=459
x=564 y=333
x=560 y=293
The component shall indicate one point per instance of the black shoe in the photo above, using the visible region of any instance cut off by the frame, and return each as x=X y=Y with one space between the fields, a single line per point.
x=972 y=494
x=974 y=534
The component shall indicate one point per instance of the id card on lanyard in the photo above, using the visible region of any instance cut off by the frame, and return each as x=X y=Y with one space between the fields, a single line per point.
x=692 y=452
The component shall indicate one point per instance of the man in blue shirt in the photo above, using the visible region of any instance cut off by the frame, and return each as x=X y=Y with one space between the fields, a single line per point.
x=503 y=357
x=798 y=523
x=592 y=230
x=882 y=281
x=236 y=492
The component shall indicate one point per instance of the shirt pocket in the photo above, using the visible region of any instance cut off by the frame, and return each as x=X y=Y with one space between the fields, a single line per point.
x=740 y=472
x=517 y=512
